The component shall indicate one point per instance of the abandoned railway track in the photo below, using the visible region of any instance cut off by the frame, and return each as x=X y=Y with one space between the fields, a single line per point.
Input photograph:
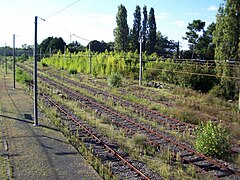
x=120 y=164
x=158 y=140
x=162 y=119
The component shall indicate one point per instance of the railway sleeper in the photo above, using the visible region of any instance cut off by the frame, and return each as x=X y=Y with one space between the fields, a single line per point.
x=193 y=159
x=106 y=158
x=186 y=153
x=130 y=175
x=221 y=173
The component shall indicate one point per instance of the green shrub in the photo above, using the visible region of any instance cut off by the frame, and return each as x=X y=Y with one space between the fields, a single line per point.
x=23 y=57
x=212 y=140
x=23 y=77
x=44 y=64
x=72 y=71
x=114 y=80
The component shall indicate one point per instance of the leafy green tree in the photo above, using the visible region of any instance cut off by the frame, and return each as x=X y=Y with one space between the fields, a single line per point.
x=56 y=44
x=96 y=46
x=205 y=47
x=75 y=47
x=192 y=35
x=151 y=32
x=121 y=32
x=43 y=46
x=110 y=46
x=144 y=28
x=227 y=34
x=226 y=39
x=136 y=28
x=164 y=47
x=218 y=36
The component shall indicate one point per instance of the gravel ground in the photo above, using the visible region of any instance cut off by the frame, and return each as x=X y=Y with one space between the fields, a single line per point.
x=40 y=152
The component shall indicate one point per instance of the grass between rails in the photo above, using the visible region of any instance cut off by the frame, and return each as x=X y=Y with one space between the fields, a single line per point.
x=185 y=113
x=127 y=143
x=189 y=103
x=129 y=112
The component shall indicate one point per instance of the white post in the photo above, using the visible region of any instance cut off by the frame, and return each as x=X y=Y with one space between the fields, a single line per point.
x=140 y=61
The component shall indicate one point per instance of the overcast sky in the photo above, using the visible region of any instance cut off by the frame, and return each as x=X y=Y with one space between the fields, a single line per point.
x=96 y=19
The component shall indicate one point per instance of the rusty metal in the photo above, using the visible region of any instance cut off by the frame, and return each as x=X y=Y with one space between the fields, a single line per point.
x=98 y=140
x=77 y=96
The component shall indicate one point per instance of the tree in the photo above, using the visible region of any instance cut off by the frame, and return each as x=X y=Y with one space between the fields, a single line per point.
x=56 y=44
x=227 y=33
x=110 y=46
x=144 y=28
x=164 y=47
x=43 y=46
x=151 y=32
x=226 y=39
x=121 y=32
x=218 y=36
x=192 y=34
x=205 y=47
x=136 y=29
x=75 y=47
x=96 y=46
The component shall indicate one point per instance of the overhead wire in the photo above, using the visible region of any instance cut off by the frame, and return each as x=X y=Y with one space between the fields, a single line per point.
x=62 y=9
x=64 y=29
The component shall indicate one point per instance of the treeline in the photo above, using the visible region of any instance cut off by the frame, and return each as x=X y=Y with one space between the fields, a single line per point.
x=145 y=27
x=126 y=39
x=219 y=41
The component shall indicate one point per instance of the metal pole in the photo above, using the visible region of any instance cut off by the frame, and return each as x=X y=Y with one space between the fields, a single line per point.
x=140 y=61
x=90 y=59
x=14 y=61
x=5 y=58
x=35 y=76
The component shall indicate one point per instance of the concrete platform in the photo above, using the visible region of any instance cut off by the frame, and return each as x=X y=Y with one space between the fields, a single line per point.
x=28 y=152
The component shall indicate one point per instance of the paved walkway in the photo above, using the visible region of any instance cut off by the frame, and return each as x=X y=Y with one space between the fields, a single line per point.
x=28 y=152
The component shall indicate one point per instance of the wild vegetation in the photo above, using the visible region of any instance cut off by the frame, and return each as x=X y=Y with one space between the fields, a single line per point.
x=199 y=76
x=212 y=140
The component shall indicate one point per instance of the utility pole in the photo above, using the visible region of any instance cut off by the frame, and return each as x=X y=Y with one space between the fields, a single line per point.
x=5 y=58
x=35 y=76
x=90 y=58
x=140 y=61
x=14 y=61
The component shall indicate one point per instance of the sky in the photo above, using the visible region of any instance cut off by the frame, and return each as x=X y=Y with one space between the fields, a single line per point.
x=96 y=19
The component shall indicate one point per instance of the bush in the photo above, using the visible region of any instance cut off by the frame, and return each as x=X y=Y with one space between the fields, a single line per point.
x=44 y=64
x=23 y=77
x=212 y=140
x=23 y=57
x=114 y=80
x=72 y=71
